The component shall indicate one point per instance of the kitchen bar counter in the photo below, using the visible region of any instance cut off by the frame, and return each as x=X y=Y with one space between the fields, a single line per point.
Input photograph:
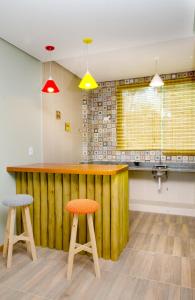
x=93 y=169
x=53 y=185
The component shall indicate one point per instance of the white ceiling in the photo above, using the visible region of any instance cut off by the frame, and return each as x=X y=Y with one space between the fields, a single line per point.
x=127 y=34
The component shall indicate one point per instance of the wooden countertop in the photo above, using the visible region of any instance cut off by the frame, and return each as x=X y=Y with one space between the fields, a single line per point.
x=92 y=169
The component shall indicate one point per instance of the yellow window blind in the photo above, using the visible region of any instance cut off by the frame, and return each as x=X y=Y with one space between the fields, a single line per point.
x=179 y=118
x=138 y=118
x=148 y=119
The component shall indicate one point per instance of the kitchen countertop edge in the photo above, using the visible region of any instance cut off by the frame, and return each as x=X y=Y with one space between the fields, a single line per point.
x=87 y=169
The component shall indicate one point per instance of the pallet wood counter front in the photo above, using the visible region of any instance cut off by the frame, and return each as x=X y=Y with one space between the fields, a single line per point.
x=53 y=185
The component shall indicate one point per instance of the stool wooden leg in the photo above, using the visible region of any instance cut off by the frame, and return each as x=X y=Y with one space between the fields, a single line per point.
x=72 y=246
x=6 y=237
x=93 y=244
x=30 y=233
x=11 y=235
x=25 y=230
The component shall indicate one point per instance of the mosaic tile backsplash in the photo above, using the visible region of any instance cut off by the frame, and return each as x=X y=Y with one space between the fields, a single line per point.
x=99 y=125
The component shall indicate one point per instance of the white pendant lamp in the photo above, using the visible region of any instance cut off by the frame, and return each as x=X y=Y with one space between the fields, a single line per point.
x=156 y=80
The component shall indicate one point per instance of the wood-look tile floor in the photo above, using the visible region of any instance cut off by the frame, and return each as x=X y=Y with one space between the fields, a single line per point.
x=157 y=264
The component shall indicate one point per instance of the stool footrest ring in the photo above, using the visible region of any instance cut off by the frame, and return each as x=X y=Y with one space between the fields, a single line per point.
x=85 y=247
x=20 y=237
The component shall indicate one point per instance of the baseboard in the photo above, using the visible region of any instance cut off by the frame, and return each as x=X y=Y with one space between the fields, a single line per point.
x=163 y=209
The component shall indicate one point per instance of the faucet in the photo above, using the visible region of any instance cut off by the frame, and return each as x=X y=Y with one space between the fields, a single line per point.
x=160 y=173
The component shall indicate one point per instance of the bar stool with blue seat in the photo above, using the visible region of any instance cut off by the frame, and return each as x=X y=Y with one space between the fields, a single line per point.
x=82 y=207
x=23 y=201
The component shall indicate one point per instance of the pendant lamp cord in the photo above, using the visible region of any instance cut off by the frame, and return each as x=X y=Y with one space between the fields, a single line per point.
x=50 y=68
x=87 y=53
x=156 y=64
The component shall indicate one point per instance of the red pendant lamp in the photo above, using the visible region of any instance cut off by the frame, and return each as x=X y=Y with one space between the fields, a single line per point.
x=50 y=85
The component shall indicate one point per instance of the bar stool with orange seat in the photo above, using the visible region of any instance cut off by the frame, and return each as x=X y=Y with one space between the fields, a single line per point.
x=87 y=207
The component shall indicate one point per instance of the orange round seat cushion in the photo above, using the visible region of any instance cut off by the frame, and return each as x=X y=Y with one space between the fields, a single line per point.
x=82 y=206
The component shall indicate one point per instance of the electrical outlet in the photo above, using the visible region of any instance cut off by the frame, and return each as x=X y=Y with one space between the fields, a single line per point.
x=30 y=151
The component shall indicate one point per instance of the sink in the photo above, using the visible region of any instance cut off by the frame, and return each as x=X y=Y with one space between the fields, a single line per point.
x=159 y=167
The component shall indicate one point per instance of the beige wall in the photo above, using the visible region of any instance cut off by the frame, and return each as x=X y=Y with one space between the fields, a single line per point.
x=177 y=195
x=59 y=145
x=20 y=116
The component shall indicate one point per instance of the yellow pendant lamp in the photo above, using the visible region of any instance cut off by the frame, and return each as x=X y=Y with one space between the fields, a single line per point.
x=88 y=82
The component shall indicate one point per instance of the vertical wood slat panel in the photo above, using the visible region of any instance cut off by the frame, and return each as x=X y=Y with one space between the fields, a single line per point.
x=121 y=206
x=51 y=214
x=115 y=247
x=82 y=218
x=18 y=209
x=24 y=183
x=112 y=219
x=124 y=215
x=74 y=190
x=74 y=186
x=37 y=208
x=23 y=189
x=66 y=216
x=44 y=209
x=91 y=187
x=98 y=214
x=126 y=201
x=90 y=194
x=58 y=211
x=30 y=192
x=106 y=217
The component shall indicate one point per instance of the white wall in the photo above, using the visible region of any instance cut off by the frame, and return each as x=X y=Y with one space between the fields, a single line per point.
x=20 y=115
x=176 y=197
x=58 y=145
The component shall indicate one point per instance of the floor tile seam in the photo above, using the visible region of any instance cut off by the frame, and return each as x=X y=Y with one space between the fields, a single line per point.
x=152 y=280
x=25 y=292
x=159 y=253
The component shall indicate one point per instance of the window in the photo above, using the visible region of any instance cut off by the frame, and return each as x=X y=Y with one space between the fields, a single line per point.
x=163 y=119
x=179 y=118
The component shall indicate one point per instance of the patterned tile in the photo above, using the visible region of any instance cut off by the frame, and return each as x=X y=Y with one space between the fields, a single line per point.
x=99 y=124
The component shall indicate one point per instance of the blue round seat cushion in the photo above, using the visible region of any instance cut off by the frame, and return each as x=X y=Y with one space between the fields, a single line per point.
x=18 y=200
